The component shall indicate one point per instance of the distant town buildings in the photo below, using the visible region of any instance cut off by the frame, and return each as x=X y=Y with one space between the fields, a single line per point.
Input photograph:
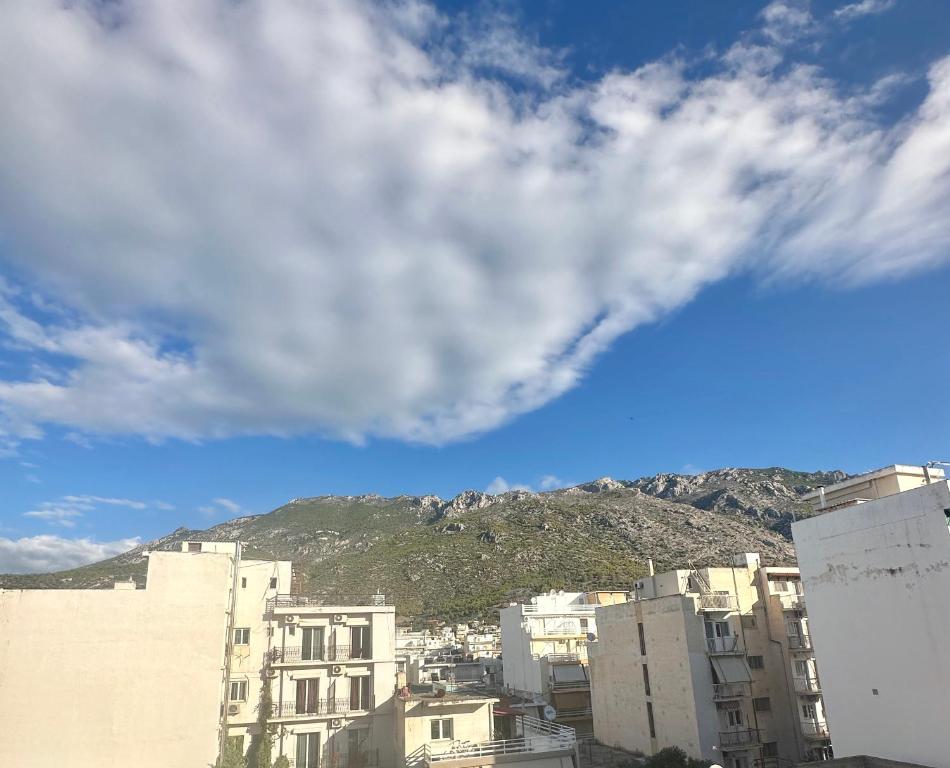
x=875 y=563
x=716 y=661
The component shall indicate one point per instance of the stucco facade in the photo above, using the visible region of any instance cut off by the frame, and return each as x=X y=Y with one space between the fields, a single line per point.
x=700 y=660
x=877 y=580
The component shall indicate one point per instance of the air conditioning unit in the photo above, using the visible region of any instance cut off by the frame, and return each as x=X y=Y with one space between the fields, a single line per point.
x=290 y=619
x=336 y=722
x=339 y=618
x=336 y=669
x=234 y=709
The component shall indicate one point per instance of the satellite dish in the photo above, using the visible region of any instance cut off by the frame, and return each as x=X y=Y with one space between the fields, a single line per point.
x=591 y=636
x=549 y=712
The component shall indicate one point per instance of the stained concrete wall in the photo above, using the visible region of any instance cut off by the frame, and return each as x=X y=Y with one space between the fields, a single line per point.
x=116 y=678
x=877 y=585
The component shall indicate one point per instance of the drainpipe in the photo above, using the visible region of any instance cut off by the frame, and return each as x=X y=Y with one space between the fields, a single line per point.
x=228 y=647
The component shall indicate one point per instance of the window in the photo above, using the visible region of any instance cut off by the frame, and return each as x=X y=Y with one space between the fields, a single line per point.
x=756 y=662
x=734 y=717
x=360 y=692
x=748 y=621
x=650 y=720
x=808 y=711
x=770 y=749
x=238 y=690
x=308 y=750
x=237 y=743
x=311 y=647
x=441 y=729
x=763 y=704
x=646 y=680
x=643 y=640
x=308 y=696
x=360 y=643
x=194 y=546
x=244 y=582
x=273 y=582
x=357 y=742
x=242 y=636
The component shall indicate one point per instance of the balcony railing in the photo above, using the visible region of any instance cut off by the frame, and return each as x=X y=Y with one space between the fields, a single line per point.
x=319 y=708
x=799 y=642
x=727 y=644
x=807 y=685
x=294 y=654
x=321 y=601
x=565 y=629
x=738 y=739
x=576 y=712
x=723 y=691
x=562 y=658
x=792 y=602
x=815 y=729
x=576 y=610
x=717 y=603
x=539 y=736
x=567 y=685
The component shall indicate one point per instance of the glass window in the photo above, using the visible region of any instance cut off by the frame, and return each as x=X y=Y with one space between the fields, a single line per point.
x=763 y=704
x=242 y=636
x=756 y=662
x=273 y=582
x=238 y=690
x=308 y=750
x=441 y=729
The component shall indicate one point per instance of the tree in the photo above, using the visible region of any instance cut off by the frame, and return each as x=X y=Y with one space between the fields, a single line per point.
x=282 y=762
x=259 y=753
x=231 y=757
x=674 y=757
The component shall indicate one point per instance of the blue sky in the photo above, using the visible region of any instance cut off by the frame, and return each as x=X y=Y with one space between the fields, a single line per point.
x=431 y=248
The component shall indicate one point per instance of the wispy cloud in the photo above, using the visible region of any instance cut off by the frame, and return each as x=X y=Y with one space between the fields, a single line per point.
x=500 y=485
x=36 y=554
x=863 y=8
x=464 y=307
x=550 y=482
x=222 y=506
x=65 y=510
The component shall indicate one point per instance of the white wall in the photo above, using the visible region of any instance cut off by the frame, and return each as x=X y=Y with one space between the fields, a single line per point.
x=877 y=587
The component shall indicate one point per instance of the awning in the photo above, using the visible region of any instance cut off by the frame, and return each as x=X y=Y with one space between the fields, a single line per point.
x=731 y=669
x=569 y=673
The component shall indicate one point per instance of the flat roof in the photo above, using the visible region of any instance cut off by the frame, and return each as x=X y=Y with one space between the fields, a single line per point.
x=892 y=469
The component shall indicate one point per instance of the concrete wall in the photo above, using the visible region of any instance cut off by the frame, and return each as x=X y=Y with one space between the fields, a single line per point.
x=471 y=721
x=877 y=584
x=116 y=678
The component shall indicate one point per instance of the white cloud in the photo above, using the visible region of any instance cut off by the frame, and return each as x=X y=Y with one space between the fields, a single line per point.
x=64 y=510
x=222 y=506
x=551 y=482
x=500 y=485
x=863 y=8
x=38 y=554
x=274 y=218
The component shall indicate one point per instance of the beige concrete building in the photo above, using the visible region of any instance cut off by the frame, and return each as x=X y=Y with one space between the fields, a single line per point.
x=717 y=661
x=875 y=570
x=457 y=730
x=159 y=676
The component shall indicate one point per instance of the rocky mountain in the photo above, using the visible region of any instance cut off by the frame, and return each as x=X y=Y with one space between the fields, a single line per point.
x=461 y=557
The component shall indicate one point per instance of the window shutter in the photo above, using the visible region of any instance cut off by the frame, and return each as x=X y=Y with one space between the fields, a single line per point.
x=301 y=696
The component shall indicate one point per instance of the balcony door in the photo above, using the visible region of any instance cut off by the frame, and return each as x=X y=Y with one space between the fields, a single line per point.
x=308 y=696
x=360 y=688
x=361 y=644
x=308 y=750
x=311 y=648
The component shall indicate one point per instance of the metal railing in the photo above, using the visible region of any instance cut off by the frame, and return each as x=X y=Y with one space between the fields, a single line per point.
x=294 y=653
x=792 y=602
x=742 y=738
x=569 y=628
x=318 y=708
x=816 y=729
x=799 y=642
x=568 y=714
x=727 y=644
x=807 y=685
x=562 y=658
x=567 y=685
x=722 y=691
x=581 y=610
x=539 y=736
x=323 y=601
x=717 y=602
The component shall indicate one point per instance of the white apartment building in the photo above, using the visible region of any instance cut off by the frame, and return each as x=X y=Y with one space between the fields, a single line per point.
x=876 y=568
x=479 y=645
x=716 y=661
x=544 y=652
x=161 y=676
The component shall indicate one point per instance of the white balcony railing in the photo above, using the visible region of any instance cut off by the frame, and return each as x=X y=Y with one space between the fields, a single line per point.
x=717 y=602
x=807 y=685
x=727 y=644
x=792 y=602
x=539 y=736
x=722 y=691
x=815 y=729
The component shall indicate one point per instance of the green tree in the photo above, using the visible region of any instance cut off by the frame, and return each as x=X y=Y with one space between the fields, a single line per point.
x=259 y=753
x=231 y=757
x=282 y=762
x=674 y=757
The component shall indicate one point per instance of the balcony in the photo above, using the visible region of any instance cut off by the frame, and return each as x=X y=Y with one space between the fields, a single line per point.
x=815 y=729
x=571 y=610
x=714 y=603
x=563 y=658
x=576 y=713
x=733 y=740
x=319 y=708
x=726 y=691
x=807 y=685
x=539 y=737
x=792 y=602
x=724 y=645
x=800 y=643
x=322 y=602
x=570 y=685
x=294 y=654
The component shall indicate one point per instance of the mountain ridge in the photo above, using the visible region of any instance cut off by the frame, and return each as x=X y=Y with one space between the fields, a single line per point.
x=467 y=555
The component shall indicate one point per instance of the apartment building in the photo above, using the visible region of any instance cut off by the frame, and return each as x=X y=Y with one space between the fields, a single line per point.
x=544 y=653
x=457 y=730
x=874 y=563
x=479 y=645
x=716 y=661
x=162 y=676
